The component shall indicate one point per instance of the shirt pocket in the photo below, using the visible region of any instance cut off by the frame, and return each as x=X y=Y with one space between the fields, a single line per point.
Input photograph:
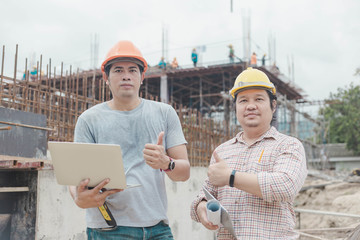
x=266 y=164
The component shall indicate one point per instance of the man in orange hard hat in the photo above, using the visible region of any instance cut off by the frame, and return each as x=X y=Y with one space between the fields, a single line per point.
x=153 y=145
x=257 y=174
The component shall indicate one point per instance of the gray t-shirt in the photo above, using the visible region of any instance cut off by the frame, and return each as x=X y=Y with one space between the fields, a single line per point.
x=140 y=206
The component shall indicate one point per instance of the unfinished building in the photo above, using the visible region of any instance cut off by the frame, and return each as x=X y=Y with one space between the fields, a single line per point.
x=56 y=97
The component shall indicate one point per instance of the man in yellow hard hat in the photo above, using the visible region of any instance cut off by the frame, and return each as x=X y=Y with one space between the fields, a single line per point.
x=153 y=146
x=257 y=174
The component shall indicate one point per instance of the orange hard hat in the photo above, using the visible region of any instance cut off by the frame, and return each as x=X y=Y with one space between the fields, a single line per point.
x=124 y=49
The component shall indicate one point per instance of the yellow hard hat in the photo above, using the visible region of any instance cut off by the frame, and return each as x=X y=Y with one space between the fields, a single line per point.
x=252 y=78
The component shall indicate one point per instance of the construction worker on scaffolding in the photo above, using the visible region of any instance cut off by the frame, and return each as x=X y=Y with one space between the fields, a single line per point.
x=257 y=174
x=174 y=64
x=231 y=53
x=162 y=63
x=194 y=57
x=253 y=60
x=153 y=146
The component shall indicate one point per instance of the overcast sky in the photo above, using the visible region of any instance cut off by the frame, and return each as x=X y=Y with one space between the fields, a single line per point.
x=322 y=36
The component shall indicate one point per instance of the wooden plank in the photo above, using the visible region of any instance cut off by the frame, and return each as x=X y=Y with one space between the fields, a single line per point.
x=326 y=229
x=11 y=162
x=14 y=189
x=320 y=186
x=299 y=210
x=28 y=126
x=310 y=236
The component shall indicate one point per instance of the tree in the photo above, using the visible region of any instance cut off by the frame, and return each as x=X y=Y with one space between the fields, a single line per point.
x=357 y=71
x=342 y=117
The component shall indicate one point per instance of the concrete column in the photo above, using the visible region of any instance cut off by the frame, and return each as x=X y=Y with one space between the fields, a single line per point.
x=164 y=91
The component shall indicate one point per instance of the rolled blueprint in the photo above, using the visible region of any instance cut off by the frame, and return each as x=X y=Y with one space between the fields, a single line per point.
x=213 y=211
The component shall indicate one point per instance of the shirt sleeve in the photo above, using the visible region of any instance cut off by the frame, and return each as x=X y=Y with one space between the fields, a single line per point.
x=83 y=132
x=288 y=175
x=174 y=133
x=201 y=196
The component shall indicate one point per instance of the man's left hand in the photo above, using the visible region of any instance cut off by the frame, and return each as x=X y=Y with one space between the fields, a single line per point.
x=155 y=156
x=219 y=172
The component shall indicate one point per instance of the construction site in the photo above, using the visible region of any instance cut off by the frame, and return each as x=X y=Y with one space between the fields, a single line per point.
x=44 y=105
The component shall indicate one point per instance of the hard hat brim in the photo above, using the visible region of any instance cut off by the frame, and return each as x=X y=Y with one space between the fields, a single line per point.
x=115 y=59
x=125 y=59
x=236 y=90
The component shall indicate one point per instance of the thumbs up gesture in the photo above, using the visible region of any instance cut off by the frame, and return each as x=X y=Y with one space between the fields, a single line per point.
x=219 y=172
x=154 y=154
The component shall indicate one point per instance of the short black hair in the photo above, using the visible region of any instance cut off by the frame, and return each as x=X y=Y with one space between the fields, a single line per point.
x=272 y=98
x=108 y=67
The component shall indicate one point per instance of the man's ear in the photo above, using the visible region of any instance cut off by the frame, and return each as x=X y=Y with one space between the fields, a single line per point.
x=142 y=78
x=106 y=79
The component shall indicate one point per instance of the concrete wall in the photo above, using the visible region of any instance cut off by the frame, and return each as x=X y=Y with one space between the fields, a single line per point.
x=57 y=215
x=20 y=141
x=180 y=196
x=336 y=156
x=59 y=218
x=23 y=141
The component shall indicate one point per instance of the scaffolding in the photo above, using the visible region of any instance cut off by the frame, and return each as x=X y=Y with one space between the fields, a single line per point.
x=199 y=95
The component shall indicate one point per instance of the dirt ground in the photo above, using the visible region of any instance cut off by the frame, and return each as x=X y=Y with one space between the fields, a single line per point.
x=328 y=191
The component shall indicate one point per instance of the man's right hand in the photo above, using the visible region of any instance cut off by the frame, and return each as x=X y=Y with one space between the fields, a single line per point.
x=201 y=211
x=89 y=198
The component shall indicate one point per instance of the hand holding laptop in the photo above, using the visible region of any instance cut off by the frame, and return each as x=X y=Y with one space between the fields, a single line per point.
x=94 y=197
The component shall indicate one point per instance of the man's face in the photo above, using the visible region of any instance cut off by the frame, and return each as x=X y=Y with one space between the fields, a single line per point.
x=124 y=80
x=253 y=109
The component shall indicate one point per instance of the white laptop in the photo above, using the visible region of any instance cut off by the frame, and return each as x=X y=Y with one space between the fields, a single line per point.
x=74 y=162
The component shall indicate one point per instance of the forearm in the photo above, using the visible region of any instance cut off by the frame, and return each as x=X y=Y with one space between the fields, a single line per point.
x=194 y=208
x=181 y=171
x=279 y=186
x=248 y=182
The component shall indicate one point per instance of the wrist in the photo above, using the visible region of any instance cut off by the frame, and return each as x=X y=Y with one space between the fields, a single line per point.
x=232 y=178
x=166 y=164
x=200 y=206
x=170 y=165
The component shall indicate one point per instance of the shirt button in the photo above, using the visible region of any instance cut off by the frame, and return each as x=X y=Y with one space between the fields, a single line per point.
x=236 y=201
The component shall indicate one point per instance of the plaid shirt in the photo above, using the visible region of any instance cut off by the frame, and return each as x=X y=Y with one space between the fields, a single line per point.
x=281 y=172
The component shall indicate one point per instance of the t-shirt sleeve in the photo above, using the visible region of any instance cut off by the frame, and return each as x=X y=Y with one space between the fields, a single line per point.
x=83 y=132
x=174 y=133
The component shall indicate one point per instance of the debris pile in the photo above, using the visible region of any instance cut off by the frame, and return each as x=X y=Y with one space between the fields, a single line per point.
x=330 y=192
